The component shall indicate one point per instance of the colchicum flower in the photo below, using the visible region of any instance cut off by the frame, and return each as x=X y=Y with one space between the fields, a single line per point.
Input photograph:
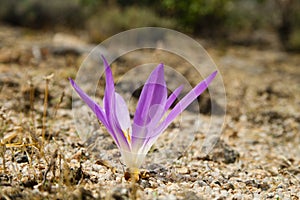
x=134 y=140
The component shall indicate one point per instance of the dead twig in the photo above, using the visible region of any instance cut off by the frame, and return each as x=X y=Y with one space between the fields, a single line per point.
x=50 y=165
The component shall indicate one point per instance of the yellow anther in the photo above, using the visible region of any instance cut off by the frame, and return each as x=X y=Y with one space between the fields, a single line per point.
x=127 y=135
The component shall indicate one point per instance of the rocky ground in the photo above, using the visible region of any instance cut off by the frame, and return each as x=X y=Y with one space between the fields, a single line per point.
x=42 y=156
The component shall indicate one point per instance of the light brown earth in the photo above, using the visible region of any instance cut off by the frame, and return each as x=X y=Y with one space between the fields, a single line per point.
x=258 y=156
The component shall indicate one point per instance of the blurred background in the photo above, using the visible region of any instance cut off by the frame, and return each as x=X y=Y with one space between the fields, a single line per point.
x=254 y=43
x=265 y=23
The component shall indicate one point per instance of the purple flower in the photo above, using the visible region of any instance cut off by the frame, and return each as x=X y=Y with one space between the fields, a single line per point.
x=150 y=120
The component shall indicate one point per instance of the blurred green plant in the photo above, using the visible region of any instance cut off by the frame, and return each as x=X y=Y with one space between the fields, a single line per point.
x=218 y=19
x=111 y=21
x=199 y=16
x=42 y=13
x=288 y=23
x=194 y=16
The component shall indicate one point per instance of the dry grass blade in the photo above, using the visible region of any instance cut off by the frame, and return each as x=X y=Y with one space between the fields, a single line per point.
x=47 y=78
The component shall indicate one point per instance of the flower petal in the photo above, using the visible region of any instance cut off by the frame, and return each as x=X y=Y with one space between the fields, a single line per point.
x=154 y=92
x=173 y=97
x=109 y=92
x=122 y=114
x=100 y=115
x=110 y=108
x=150 y=108
x=186 y=101
x=91 y=103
